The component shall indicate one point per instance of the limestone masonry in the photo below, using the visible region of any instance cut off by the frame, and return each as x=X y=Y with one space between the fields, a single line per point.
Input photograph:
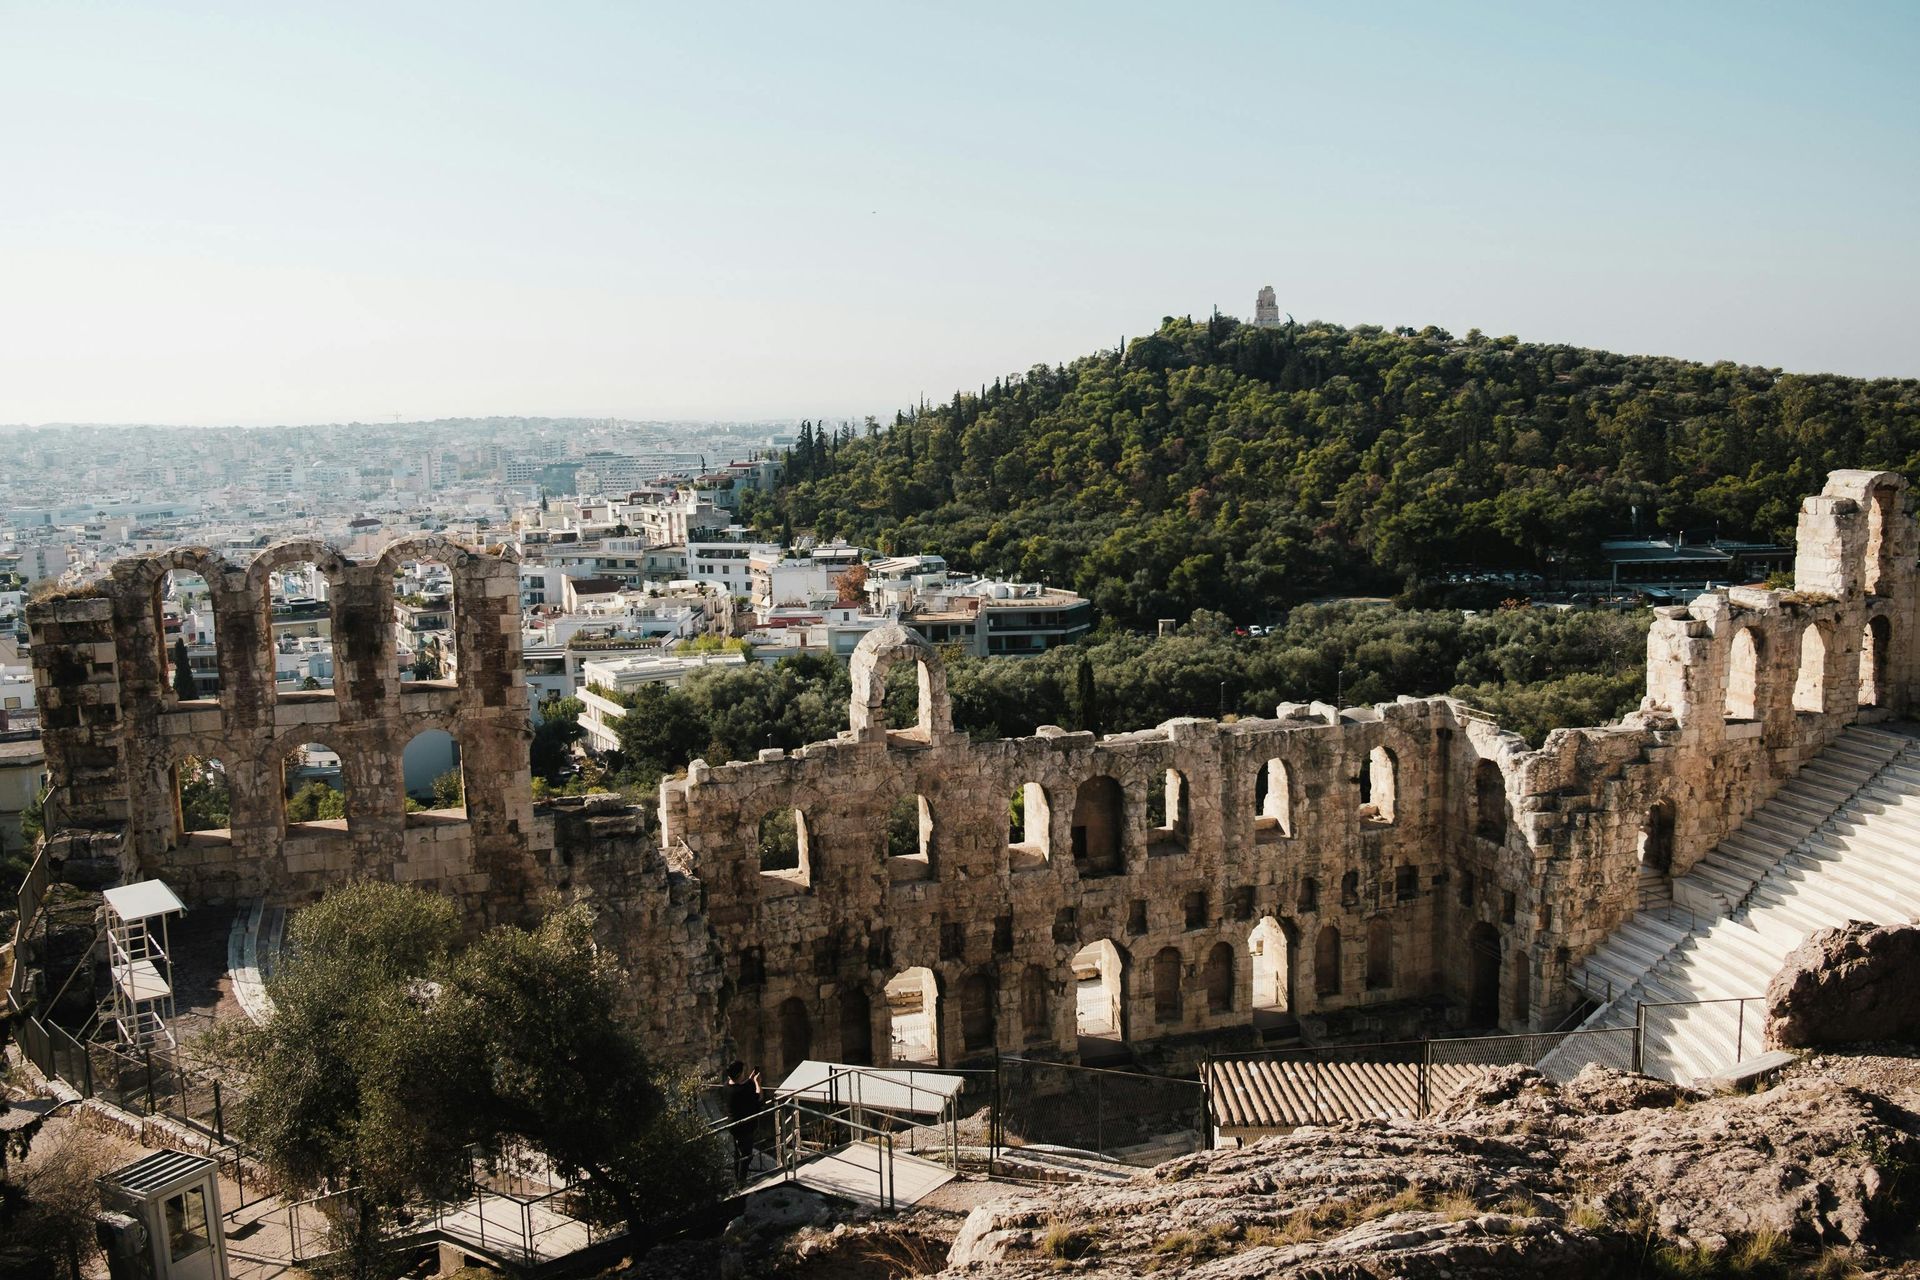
x=1318 y=861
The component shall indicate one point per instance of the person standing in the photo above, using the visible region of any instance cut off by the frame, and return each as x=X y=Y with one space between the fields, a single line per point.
x=746 y=1104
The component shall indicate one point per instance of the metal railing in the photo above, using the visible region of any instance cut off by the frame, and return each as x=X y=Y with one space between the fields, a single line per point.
x=152 y=1082
x=1657 y=1024
x=1129 y=1117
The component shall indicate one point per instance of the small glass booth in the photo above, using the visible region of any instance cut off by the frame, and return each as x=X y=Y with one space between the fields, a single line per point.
x=176 y=1198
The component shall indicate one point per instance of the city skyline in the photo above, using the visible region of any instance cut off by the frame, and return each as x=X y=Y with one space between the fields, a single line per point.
x=230 y=217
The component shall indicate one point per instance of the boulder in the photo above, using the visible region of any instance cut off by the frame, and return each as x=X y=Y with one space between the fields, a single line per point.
x=1860 y=982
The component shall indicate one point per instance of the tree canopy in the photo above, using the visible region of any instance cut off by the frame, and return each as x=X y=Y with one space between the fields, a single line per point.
x=1217 y=465
x=394 y=1052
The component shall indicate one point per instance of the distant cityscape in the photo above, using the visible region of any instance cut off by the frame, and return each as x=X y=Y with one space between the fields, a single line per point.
x=635 y=567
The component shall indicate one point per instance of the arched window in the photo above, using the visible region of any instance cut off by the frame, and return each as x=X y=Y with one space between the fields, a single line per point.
x=1743 y=675
x=1810 y=690
x=1036 y=1006
x=1166 y=986
x=1656 y=840
x=316 y=789
x=203 y=800
x=1099 y=993
x=910 y=839
x=913 y=1009
x=1270 y=951
x=1326 y=962
x=1490 y=800
x=1219 y=978
x=976 y=1012
x=300 y=629
x=1097 y=823
x=902 y=703
x=856 y=1027
x=1873 y=662
x=1029 y=825
x=425 y=646
x=1378 y=784
x=1273 y=802
x=1882 y=507
x=1309 y=896
x=783 y=846
x=1379 y=954
x=1483 y=976
x=1167 y=815
x=189 y=640
x=1350 y=889
x=796 y=1034
x=431 y=774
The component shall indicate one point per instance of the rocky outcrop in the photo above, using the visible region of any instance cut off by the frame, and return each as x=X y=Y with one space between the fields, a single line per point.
x=1523 y=1178
x=1855 y=984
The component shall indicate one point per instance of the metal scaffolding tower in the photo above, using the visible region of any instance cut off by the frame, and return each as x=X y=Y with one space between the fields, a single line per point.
x=142 y=1001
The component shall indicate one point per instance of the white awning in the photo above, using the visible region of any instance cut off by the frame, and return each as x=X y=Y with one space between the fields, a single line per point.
x=138 y=901
x=924 y=1093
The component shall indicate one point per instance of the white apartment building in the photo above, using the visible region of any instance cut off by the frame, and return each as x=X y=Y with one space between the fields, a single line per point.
x=600 y=716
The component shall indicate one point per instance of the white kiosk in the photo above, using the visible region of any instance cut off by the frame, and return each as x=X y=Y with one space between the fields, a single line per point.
x=176 y=1198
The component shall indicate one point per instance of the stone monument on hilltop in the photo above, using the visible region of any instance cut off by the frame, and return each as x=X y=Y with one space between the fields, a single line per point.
x=1266 y=308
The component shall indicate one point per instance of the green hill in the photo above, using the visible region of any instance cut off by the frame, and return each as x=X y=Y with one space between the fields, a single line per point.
x=1216 y=465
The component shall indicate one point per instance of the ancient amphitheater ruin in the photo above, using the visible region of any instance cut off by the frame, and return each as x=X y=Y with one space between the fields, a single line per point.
x=1208 y=874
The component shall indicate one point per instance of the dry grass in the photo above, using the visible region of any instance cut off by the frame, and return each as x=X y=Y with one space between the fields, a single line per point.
x=905 y=1254
x=1066 y=1243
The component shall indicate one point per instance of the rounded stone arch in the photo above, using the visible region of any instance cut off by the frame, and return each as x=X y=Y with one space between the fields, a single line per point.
x=323 y=556
x=1747 y=688
x=274 y=769
x=873 y=660
x=137 y=584
x=1882 y=499
x=428 y=548
x=1813 y=680
x=423 y=546
x=329 y=563
x=165 y=763
x=1876 y=647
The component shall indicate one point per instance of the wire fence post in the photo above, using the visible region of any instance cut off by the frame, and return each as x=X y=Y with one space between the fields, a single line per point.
x=148 y=1053
x=1639 y=1037
x=1740 y=1033
x=219 y=1124
x=993 y=1125
x=1100 y=1114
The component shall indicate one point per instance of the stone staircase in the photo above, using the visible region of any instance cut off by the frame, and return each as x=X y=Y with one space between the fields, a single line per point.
x=1839 y=842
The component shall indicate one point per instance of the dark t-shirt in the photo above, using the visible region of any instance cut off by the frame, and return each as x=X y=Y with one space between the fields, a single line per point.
x=743 y=1099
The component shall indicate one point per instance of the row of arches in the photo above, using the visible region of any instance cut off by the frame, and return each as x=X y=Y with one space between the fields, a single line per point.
x=1748 y=691
x=313 y=790
x=192 y=609
x=1096 y=833
x=1254 y=978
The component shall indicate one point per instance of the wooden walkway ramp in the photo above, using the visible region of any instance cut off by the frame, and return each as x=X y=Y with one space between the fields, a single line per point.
x=857 y=1172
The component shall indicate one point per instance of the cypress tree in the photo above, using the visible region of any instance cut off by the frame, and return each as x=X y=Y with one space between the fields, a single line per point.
x=183 y=686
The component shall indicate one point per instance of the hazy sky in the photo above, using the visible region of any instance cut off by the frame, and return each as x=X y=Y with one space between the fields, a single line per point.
x=260 y=213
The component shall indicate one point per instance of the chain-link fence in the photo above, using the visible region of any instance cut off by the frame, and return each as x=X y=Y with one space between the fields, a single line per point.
x=1125 y=1116
x=149 y=1082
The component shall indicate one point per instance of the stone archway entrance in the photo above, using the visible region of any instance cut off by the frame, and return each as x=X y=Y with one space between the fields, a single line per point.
x=1483 y=976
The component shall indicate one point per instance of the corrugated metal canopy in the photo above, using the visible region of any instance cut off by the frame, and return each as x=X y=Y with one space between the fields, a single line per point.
x=157 y=1172
x=1289 y=1092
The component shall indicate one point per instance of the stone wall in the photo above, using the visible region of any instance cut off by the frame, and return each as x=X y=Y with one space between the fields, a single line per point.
x=116 y=730
x=1402 y=851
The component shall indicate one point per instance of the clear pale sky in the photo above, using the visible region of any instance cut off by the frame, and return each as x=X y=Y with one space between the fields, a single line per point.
x=263 y=213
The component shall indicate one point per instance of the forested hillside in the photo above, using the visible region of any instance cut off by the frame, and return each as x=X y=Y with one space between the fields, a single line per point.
x=1222 y=466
